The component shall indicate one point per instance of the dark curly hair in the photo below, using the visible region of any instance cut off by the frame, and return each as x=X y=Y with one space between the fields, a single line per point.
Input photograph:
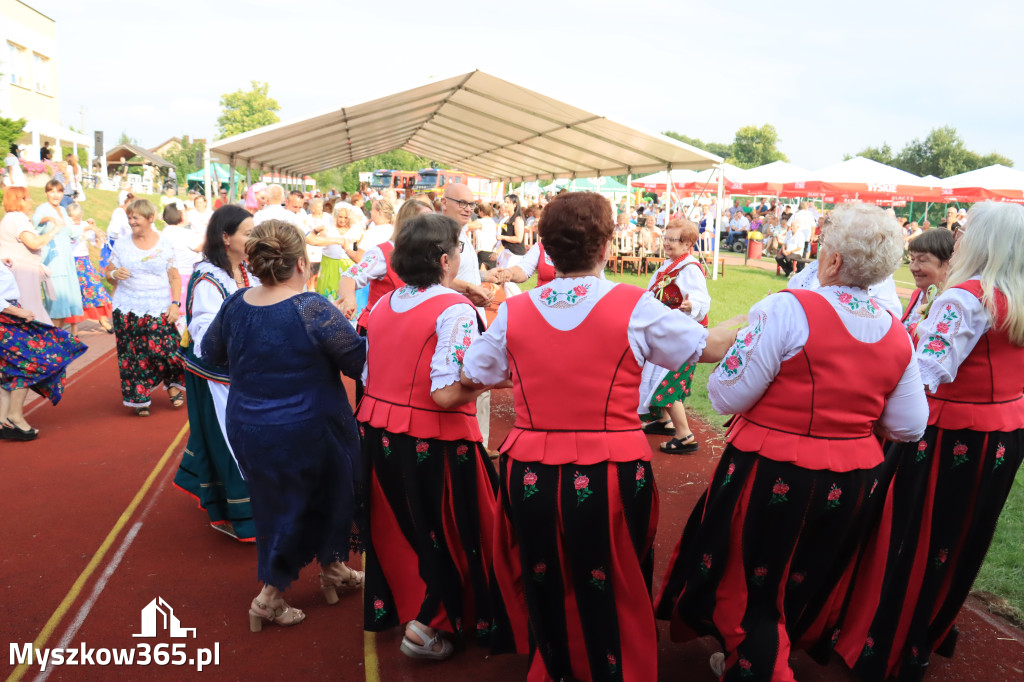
x=575 y=228
x=274 y=247
x=420 y=245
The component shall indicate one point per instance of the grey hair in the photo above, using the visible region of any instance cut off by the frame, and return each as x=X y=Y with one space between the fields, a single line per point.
x=868 y=239
x=75 y=209
x=275 y=194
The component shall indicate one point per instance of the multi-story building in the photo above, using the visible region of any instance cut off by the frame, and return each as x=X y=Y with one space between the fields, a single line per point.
x=29 y=87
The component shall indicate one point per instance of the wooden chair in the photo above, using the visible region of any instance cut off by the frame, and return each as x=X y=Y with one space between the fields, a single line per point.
x=653 y=262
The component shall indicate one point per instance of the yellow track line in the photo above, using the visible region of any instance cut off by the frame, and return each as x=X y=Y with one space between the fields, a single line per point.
x=97 y=558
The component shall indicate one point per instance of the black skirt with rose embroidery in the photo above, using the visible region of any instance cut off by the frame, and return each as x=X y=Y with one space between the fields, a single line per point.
x=766 y=534
x=574 y=558
x=946 y=496
x=427 y=532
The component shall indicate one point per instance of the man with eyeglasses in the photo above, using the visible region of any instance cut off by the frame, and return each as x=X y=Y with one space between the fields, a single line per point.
x=458 y=204
x=222 y=198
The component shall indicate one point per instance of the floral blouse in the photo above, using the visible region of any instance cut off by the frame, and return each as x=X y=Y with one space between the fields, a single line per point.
x=884 y=292
x=956 y=321
x=373 y=266
x=148 y=290
x=777 y=330
x=456 y=330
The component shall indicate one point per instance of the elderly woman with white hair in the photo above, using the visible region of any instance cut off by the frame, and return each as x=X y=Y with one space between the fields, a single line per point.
x=950 y=487
x=338 y=236
x=811 y=380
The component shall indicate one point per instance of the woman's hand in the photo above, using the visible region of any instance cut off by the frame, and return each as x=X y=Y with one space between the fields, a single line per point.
x=119 y=274
x=347 y=306
x=173 y=313
x=8 y=262
x=24 y=314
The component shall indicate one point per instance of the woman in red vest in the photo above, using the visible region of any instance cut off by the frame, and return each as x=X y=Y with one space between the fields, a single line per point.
x=431 y=487
x=680 y=284
x=375 y=268
x=950 y=487
x=575 y=532
x=929 y=264
x=811 y=379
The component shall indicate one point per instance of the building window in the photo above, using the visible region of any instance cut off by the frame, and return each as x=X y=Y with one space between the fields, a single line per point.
x=18 y=64
x=42 y=73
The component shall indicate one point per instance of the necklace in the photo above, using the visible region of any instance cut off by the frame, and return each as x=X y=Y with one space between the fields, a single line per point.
x=243 y=280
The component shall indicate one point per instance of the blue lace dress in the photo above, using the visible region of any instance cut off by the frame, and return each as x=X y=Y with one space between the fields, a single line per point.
x=290 y=425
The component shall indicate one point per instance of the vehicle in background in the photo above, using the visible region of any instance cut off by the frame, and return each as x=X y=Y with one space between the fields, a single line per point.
x=437 y=179
x=397 y=179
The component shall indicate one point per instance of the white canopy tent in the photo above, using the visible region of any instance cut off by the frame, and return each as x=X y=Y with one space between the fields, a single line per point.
x=993 y=177
x=474 y=122
x=775 y=172
x=862 y=170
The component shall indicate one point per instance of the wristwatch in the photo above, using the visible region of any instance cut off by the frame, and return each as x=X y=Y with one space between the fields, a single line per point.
x=177 y=303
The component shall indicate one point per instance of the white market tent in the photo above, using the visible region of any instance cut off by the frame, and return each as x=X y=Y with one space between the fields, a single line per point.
x=474 y=122
x=864 y=171
x=659 y=181
x=993 y=177
x=775 y=172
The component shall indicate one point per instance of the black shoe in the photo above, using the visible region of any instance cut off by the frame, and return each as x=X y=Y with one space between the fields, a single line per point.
x=948 y=646
x=12 y=432
x=680 y=447
x=657 y=428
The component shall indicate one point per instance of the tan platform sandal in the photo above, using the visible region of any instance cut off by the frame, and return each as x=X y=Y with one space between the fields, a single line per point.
x=284 y=615
x=331 y=582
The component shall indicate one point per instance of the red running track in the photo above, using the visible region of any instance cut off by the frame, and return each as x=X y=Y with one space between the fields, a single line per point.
x=65 y=493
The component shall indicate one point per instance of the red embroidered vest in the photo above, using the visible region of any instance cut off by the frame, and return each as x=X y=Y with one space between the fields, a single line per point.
x=545 y=269
x=911 y=328
x=576 y=390
x=670 y=294
x=987 y=392
x=379 y=287
x=397 y=397
x=819 y=411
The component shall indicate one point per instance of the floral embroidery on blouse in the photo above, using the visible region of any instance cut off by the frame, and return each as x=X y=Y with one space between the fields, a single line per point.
x=362 y=266
x=862 y=307
x=408 y=291
x=938 y=343
x=459 y=346
x=735 y=361
x=564 y=299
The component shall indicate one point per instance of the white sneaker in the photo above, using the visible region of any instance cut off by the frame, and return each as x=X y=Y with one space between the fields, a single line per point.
x=717 y=664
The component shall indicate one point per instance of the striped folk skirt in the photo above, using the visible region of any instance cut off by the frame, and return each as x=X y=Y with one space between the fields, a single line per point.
x=919 y=564
x=428 y=537
x=762 y=556
x=575 y=558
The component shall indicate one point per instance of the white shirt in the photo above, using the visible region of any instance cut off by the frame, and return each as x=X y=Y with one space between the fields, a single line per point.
x=118 y=225
x=793 y=243
x=690 y=280
x=777 y=330
x=148 y=290
x=197 y=221
x=804 y=222
x=16 y=176
x=469 y=266
x=207 y=300
x=373 y=266
x=184 y=241
x=884 y=292
x=487 y=235
x=956 y=320
x=278 y=212
x=80 y=244
x=456 y=330
x=375 y=235
x=9 y=291
x=655 y=333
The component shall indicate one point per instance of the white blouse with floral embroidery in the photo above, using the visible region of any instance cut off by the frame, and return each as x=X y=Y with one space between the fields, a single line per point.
x=666 y=337
x=456 y=329
x=777 y=330
x=884 y=292
x=956 y=321
x=691 y=282
x=373 y=266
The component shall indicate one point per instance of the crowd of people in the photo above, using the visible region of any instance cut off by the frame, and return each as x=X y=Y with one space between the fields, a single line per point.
x=871 y=450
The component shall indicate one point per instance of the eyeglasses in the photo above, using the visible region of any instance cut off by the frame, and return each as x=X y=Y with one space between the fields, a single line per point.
x=462 y=246
x=672 y=240
x=463 y=205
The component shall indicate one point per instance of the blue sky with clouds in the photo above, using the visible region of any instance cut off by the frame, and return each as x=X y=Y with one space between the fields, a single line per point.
x=831 y=77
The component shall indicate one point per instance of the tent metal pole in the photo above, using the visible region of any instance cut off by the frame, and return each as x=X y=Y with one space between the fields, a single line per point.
x=718 y=225
x=629 y=192
x=231 y=179
x=206 y=175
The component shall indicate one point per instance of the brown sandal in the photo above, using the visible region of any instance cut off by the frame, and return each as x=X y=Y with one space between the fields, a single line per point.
x=284 y=615
x=330 y=583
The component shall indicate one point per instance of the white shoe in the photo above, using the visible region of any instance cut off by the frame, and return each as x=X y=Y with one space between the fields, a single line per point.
x=427 y=650
x=717 y=664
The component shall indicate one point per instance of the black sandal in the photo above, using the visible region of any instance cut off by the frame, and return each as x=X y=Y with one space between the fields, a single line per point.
x=12 y=432
x=178 y=399
x=680 y=447
x=657 y=428
x=142 y=411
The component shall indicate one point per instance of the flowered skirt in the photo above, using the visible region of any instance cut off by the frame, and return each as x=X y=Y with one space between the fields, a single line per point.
x=95 y=299
x=208 y=471
x=431 y=506
x=575 y=559
x=35 y=355
x=941 y=513
x=147 y=356
x=330 y=275
x=766 y=535
x=661 y=387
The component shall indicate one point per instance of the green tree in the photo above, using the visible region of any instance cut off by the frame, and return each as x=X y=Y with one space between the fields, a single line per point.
x=245 y=110
x=717 y=148
x=184 y=158
x=755 y=146
x=941 y=153
x=346 y=178
x=127 y=139
x=10 y=131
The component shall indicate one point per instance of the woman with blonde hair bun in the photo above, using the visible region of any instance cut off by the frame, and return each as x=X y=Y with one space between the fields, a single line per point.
x=951 y=485
x=298 y=450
